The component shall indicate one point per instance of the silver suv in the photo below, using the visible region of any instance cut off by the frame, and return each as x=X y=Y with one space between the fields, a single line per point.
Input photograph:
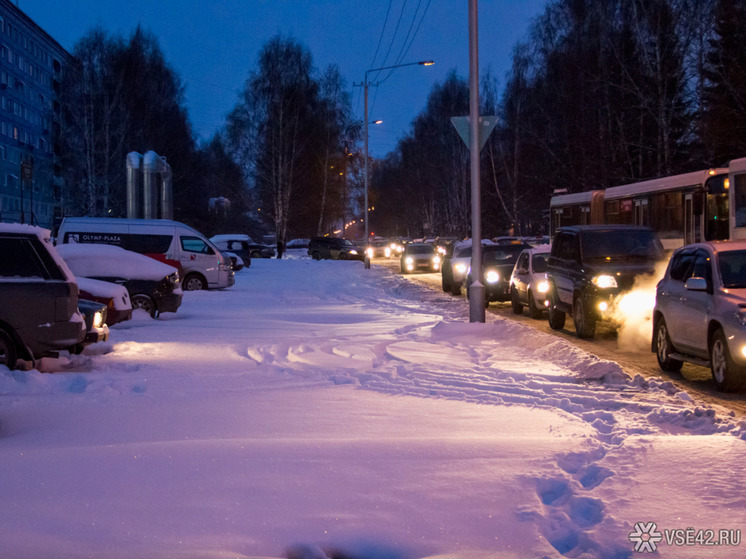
x=700 y=311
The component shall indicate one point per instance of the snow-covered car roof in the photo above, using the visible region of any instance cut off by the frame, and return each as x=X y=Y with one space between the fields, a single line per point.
x=231 y=237
x=92 y=260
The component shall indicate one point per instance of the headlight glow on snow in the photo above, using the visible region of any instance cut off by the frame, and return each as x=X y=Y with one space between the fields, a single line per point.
x=604 y=281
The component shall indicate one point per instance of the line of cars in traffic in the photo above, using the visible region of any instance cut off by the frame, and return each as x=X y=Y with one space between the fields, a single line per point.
x=587 y=273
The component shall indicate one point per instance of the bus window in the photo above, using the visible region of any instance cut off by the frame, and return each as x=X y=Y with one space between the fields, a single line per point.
x=716 y=210
x=739 y=199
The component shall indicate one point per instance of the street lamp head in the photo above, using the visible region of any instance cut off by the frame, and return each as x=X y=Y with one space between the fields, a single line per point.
x=379 y=121
x=426 y=62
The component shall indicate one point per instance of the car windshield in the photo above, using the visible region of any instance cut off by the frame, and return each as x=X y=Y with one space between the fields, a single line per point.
x=732 y=266
x=347 y=243
x=634 y=244
x=464 y=252
x=421 y=249
x=502 y=255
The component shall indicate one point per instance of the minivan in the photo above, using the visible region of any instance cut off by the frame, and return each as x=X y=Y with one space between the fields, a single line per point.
x=201 y=265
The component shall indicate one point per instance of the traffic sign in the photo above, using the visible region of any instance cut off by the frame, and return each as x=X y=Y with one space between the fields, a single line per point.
x=486 y=126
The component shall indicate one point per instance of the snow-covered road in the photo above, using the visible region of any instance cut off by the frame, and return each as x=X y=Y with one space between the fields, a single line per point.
x=318 y=404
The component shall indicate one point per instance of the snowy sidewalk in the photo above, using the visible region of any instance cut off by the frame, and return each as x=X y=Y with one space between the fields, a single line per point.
x=321 y=404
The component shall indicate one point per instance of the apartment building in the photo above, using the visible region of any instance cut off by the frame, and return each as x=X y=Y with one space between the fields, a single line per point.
x=31 y=68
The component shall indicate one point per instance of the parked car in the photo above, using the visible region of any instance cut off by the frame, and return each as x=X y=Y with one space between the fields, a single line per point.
x=700 y=312
x=590 y=265
x=420 y=257
x=498 y=262
x=297 y=243
x=237 y=262
x=39 y=314
x=153 y=286
x=115 y=297
x=333 y=248
x=200 y=263
x=243 y=245
x=94 y=315
x=528 y=281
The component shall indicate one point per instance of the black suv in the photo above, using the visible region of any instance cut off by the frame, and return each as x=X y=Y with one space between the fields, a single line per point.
x=333 y=248
x=590 y=265
x=498 y=262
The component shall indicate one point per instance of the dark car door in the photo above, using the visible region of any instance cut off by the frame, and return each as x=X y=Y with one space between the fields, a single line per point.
x=564 y=265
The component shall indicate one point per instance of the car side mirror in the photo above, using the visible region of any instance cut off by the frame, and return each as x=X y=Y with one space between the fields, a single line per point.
x=696 y=284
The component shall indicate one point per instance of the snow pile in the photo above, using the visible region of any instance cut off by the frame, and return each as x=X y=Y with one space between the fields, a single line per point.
x=322 y=410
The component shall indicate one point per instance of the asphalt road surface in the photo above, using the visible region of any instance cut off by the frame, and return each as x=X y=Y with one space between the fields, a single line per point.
x=695 y=380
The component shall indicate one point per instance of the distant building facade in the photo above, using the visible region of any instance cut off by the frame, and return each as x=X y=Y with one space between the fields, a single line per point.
x=31 y=67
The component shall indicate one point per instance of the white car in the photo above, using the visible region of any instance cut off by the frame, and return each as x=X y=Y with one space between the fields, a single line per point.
x=528 y=282
x=700 y=311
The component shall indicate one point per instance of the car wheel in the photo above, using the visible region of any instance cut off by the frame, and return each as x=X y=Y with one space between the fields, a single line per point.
x=316 y=255
x=342 y=256
x=193 y=282
x=257 y=254
x=585 y=322
x=446 y=284
x=664 y=348
x=456 y=288
x=515 y=302
x=533 y=310
x=556 y=316
x=144 y=302
x=727 y=375
x=8 y=353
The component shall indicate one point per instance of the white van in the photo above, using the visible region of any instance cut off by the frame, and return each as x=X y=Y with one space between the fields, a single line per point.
x=201 y=265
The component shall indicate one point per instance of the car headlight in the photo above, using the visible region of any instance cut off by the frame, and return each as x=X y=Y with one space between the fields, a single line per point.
x=409 y=260
x=98 y=319
x=174 y=278
x=387 y=251
x=604 y=281
x=436 y=259
x=353 y=251
x=369 y=252
x=542 y=286
x=460 y=268
x=492 y=276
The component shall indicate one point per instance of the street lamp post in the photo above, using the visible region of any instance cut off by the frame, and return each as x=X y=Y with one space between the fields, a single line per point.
x=365 y=85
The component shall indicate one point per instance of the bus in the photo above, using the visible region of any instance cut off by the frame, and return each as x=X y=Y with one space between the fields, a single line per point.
x=703 y=205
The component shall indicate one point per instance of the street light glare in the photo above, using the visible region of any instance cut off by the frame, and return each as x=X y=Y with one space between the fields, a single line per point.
x=427 y=62
x=379 y=121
